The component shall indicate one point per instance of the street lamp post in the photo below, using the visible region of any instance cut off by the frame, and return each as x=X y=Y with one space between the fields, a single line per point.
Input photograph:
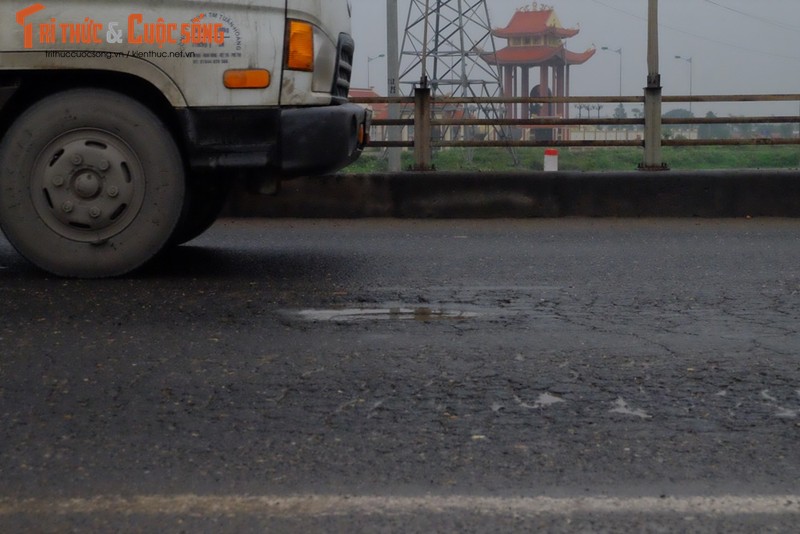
x=370 y=60
x=617 y=51
x=393 y=73
x=691 y=77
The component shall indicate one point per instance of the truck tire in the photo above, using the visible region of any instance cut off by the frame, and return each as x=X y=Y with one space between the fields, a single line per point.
x=91 y=184
x=206 y=196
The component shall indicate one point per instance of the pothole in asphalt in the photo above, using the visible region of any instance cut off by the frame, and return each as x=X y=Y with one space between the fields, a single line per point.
x=345 y=315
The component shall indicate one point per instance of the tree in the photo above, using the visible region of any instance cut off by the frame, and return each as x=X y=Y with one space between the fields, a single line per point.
x=714 y=131
x=620 y=113
x=581 y=107
x=679 y=114
x=670 y=131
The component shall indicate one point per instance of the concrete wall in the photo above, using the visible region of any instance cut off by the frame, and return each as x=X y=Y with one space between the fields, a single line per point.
x=521 y=195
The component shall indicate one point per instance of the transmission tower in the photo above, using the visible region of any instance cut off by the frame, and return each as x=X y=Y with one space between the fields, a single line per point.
x=443 y=44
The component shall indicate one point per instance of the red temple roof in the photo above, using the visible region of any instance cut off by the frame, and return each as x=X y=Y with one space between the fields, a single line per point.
x=534 y=23
x=537 y=55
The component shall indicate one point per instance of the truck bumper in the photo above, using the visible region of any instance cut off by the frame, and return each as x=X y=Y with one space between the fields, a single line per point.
x=275 y=142
x=322 y=140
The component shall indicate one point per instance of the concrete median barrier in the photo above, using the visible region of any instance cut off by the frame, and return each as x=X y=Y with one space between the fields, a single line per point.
x=753 y=193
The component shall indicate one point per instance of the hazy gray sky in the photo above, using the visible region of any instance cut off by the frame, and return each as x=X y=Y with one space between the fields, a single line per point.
x=737 y=46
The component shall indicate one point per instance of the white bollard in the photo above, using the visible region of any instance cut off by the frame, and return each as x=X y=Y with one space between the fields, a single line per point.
x=550 y=160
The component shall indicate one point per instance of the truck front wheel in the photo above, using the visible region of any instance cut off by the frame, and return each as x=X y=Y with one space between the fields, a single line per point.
x=91 y=184
x=206 y=196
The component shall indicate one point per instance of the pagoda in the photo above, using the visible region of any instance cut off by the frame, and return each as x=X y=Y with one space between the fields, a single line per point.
x=536 y=38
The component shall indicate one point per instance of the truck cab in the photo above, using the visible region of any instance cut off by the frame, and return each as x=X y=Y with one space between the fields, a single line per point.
x=123 y=126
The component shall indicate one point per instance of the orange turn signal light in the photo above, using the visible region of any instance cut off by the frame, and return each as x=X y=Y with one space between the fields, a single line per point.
x=246 y=78
x=362 y=135
x=300 y=46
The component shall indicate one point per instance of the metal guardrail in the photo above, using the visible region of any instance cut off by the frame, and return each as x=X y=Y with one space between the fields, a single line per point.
x=424 y=122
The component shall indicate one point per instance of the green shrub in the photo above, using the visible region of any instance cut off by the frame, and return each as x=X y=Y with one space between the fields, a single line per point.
x=594 y=159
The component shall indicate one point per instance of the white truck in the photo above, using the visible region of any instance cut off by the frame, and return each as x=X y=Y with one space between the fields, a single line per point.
x=122 y=125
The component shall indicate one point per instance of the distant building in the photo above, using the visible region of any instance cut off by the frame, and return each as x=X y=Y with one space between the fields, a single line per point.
x=379 y=111
x=536 y=39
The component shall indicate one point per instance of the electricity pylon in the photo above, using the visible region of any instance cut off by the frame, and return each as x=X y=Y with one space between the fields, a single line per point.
x=442 y=47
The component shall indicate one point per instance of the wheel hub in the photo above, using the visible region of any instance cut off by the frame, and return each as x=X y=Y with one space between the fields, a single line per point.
x=87 y=184
x=91 y=185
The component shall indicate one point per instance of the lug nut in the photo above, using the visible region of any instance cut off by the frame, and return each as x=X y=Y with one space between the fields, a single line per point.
x=67 y=207
x=113 y=191
x=58 y=181
x=76 y=159
x=104 y=165
x=94 y=212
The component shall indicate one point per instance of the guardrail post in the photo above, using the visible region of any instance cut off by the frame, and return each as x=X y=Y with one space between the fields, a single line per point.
x=653 y=127
x=652 y=98
x=423 y=154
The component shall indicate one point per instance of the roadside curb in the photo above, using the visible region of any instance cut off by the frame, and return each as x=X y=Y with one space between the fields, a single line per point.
x=751 y=193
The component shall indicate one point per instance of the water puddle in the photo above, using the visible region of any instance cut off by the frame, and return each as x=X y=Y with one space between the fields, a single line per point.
x=349 y=315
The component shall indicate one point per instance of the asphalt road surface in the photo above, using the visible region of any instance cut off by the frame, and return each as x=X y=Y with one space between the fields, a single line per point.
x=412 y=376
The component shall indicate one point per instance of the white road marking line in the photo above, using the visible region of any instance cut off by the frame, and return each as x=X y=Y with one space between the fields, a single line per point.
x=350 y=315
x=329 y=505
